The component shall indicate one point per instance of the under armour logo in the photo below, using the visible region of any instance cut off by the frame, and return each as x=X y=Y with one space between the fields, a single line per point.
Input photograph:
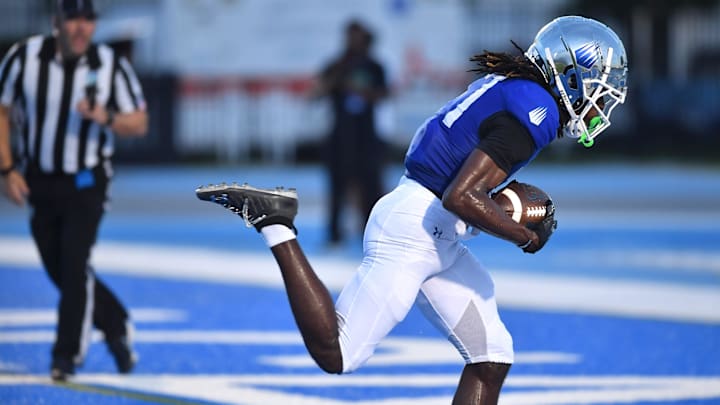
x=437 y=232
x=538 y=115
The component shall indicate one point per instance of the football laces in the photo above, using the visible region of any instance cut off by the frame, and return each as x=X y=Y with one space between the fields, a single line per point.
x=535 y=211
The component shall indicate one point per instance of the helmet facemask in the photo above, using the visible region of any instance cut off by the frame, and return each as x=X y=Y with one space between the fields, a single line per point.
x=596 y=93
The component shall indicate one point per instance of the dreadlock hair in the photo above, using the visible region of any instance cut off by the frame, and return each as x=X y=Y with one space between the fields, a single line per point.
x=516 y=66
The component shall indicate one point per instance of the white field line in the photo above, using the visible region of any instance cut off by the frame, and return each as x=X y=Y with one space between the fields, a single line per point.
x=19 y=317
x=395 y=351
x=514 y=287
x=519 y=389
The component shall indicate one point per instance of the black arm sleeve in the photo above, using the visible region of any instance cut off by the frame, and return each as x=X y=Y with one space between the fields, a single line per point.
x=505 y=140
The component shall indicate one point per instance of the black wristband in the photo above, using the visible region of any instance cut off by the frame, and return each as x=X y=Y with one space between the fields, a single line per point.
x=5 y=172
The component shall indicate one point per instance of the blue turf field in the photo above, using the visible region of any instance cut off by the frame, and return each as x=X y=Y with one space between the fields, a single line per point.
x=623 y=305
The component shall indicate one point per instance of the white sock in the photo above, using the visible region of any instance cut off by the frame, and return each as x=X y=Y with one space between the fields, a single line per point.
x=276 y=234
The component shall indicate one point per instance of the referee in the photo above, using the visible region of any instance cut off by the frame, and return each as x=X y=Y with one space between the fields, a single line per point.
x=70 y=97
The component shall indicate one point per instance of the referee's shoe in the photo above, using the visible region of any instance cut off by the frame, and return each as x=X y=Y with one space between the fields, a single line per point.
x=123 y=354
x=62 y=368
x=258 y=207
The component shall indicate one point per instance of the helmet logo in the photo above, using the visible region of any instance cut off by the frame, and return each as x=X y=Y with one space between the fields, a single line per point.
x=537 y=115
x=587 y=55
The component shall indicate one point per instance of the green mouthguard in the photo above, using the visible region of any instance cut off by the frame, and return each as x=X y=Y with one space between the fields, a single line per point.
x=585 y=139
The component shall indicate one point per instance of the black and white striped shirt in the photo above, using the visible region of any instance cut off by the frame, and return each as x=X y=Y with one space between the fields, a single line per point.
x=56 y=138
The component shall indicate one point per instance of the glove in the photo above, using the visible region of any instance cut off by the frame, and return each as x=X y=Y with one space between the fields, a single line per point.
x=544 y=229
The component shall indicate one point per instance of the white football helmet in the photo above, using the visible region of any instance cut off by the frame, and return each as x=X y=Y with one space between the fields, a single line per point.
x=585 y=63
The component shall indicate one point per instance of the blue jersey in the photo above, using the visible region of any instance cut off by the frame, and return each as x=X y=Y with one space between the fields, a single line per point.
x=444 y=141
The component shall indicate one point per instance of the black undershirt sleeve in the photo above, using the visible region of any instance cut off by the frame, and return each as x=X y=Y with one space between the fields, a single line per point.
x=505 y=140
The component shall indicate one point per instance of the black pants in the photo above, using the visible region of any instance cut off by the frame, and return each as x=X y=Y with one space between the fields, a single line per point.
x=64 y=224
x=355 y=159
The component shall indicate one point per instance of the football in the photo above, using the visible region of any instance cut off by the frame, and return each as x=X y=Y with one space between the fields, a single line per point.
x=524 y=203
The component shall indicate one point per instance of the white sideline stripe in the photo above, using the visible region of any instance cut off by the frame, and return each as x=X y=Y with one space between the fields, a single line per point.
x=395 y=350
x=608 y=297
x=280 y=338
x=688 y=261
x=516 y=289
x=531 y=389
x=33 y=317
x=388 y=380
x=169 y=336
x=12 y=367
x=647 y=219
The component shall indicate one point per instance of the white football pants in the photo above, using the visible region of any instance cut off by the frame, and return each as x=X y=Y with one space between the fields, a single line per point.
x=413 y=250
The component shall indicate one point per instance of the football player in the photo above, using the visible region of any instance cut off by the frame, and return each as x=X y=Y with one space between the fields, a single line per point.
x=567 y=83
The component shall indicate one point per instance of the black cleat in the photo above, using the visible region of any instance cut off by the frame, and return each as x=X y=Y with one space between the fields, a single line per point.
x=258 y=207
x=125 y=357
x=61 y=369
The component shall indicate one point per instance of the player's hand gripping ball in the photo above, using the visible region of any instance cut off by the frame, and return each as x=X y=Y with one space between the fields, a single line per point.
x=529 y=206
